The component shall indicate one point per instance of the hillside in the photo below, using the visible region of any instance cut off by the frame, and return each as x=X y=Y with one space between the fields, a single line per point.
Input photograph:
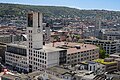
x=54 y=11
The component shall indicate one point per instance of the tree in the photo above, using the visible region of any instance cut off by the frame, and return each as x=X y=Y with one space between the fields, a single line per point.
x=102 y=53
x=56 y=38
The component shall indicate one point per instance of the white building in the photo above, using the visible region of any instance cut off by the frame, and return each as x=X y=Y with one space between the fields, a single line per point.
x=16 y=57
x=36 y=56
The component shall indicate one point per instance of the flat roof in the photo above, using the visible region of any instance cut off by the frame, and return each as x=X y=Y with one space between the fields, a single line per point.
x=115 y=54
x=23 y=76
x=21 y=44
x=8 y=76
x=85 y=74
x=13 y=77
x=33 y=74
x=59 y=70
x=103 y=62
x=46 y=48
x=100 y=40
x=59 y=46
x=70 y=47
x=51 y=49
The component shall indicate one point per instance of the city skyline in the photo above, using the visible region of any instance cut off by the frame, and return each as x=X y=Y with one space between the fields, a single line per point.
x=79 y=4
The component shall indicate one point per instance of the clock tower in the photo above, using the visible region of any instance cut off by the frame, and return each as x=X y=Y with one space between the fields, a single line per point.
x=35 y=30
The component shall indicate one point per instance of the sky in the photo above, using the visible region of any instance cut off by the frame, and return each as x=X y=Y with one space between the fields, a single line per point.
x=80 y=4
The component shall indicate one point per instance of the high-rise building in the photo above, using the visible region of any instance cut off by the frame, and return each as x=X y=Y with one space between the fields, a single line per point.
x=35 y=31
x=41 y=57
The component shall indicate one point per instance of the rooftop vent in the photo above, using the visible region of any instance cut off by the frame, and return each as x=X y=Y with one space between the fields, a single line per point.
x=77 y=47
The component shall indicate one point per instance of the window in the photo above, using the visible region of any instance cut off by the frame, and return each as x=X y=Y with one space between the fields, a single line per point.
x=68 y=62
x=90 y=68
x=68 y=58
x=40 y=60
x=45 y=62
x=40 y=52
x=30 y=20
x=81 y=59
x=36 y=59
x=16 y=50
x=94 y=68
x=45 y=54
x=45 y=57
x=29 y=31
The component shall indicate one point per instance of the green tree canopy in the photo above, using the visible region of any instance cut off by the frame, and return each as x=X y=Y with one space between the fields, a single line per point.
x=102 y=53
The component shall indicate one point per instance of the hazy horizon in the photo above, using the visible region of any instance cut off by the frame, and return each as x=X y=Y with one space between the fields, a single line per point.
x=111 y=5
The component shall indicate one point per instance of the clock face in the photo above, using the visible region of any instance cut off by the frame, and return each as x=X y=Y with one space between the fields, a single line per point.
x=38 y=30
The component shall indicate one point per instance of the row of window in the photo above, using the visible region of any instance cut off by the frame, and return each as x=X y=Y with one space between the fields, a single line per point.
x=16 y=50
x=88 y=51
x=12 y=55
x=36 y=52
x=37 y=60
x=82 y=55
x=16 y=60
x=15 y=64
x=38 y=56
x=41 y=53
x=30 y=31
x=82 y=59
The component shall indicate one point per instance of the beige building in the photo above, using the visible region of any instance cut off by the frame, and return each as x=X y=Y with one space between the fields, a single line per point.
x=77 y=52
x=81 y=52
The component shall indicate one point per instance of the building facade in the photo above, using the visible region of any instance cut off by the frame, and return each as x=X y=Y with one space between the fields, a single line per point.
x=108 y=46
x=32 y=55
x=78 y=52
x=16 y=57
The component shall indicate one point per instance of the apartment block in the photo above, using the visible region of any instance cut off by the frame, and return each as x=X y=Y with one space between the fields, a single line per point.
x=107 y=45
